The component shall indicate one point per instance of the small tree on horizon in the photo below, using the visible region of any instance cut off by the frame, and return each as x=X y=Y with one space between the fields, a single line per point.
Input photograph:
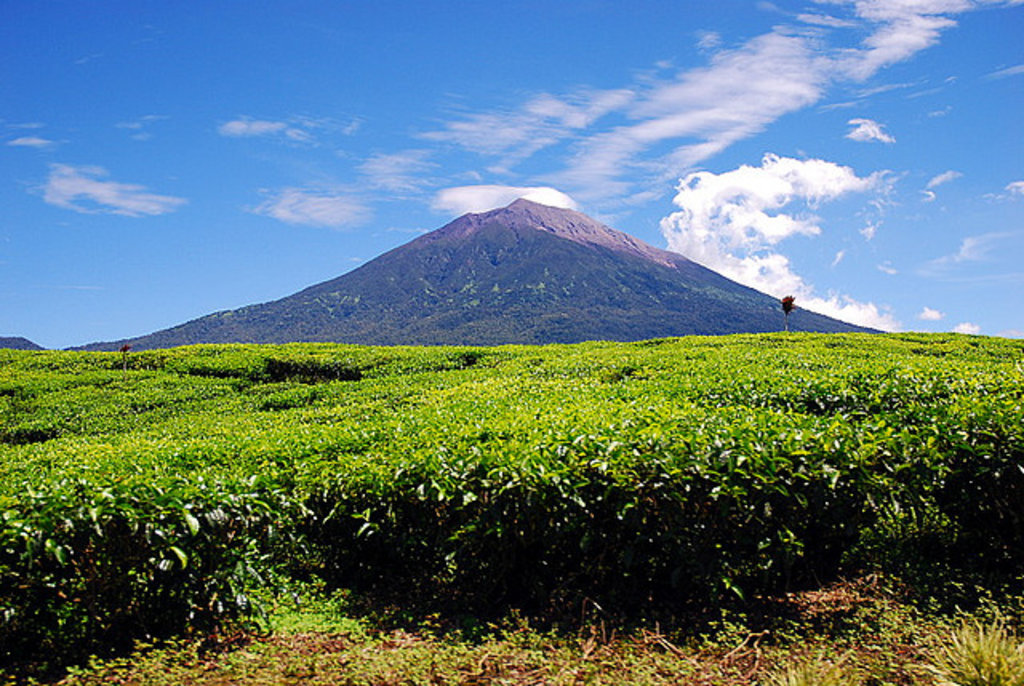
x=124 y=359
x=788 y=305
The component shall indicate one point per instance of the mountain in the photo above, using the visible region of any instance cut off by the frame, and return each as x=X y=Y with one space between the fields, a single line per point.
x=18 y=343
x=526 y=273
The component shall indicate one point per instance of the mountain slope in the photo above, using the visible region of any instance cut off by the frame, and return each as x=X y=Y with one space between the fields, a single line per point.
x=18 y=343
x=526 y=273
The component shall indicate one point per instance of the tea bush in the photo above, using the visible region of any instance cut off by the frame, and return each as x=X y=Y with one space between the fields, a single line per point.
x=644 y=478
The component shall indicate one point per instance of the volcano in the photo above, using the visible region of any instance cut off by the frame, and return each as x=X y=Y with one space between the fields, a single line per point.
x=526 y=273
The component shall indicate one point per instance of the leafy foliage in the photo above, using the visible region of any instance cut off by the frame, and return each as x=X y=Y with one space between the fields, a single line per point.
x=144 y=494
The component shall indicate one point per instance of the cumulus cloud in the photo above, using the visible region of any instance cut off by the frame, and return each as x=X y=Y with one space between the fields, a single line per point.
x=867 y=130
x=31 y=142
x=944 y=177
x=968 y=328
x=731 y=222
x=313 y=207
x=465 y=199
x=930 y=315
x=85 y=189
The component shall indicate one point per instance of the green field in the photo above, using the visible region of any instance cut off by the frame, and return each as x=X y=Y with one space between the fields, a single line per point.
x=171 y=492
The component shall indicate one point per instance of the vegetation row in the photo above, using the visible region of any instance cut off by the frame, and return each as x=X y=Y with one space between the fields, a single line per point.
x=155 y=493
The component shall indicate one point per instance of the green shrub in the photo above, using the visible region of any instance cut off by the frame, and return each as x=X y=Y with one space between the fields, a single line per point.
x=88 y=568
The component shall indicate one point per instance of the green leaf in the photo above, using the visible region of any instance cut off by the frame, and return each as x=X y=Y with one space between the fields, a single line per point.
x=180 y=554
x=191 y=522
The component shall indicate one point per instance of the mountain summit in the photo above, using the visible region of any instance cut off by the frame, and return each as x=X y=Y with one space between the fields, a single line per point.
x=526 y=273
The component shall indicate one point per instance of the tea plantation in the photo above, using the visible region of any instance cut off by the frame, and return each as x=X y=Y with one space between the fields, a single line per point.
x=162 y=493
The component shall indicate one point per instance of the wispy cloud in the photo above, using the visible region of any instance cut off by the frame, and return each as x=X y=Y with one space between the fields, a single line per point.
x=732 y=222
x=139 y=127
x=1015 y=188
x=825 y=20
x=887 y=268
x=944 y=177
x=296 y=129
x=31 y=142
x=332 y=209
x=1009 y=71
x=85 y=189
x=400 y=172
x=867 y=130
x=245 y=128
x=972 y=249
x=542 y=121
x=620 y=143
x=465 y=199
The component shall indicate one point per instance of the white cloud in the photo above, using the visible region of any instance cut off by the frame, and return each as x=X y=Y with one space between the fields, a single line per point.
x=944 y=177
x=847 y=309
x=84 y=189
x=825 y=20
x=1015 y=188
x=709 y=40
x=867 y=130
x=869 y=231
x=31 y=142
x=399 y=172
x=700 y=113
x=295 y=129
x=887 y=268
x=656 y=128
x=731 y=222
x=242 y=128
x=901 y=28
x=313 y=207
x=141 y=125
x=972 y=249
x=927 y=196
x=465 y=199
x=930 y=315
x=968 y=328
x=838 y=258
x=1009 y=71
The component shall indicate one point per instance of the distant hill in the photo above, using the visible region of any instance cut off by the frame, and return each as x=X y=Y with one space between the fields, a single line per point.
x=18 y=343
x=526 y=273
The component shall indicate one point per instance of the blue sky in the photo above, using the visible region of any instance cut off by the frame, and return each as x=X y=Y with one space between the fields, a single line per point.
x=161 y=161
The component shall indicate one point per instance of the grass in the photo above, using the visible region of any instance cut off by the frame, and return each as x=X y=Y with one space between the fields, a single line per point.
x=981 y=655
x=866 y=632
